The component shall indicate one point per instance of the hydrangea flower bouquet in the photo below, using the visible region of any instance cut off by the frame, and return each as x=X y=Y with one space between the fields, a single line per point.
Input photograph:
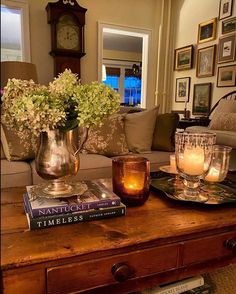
x=64 y=104
x=50 y=112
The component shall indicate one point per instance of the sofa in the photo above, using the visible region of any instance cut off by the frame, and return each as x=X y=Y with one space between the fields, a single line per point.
x=132 y=131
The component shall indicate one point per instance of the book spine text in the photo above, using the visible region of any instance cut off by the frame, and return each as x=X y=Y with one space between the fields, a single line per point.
x=72 y=218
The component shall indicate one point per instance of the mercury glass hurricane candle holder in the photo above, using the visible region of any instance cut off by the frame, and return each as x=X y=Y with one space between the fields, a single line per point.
x=131 y=179
x=193 y=153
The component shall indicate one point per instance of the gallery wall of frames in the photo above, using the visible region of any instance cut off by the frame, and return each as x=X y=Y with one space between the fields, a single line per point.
x=205 y=70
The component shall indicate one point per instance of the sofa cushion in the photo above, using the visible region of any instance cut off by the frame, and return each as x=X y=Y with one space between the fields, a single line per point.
x=15 y=174
x=108 y=139
x=139 y=128
x=13 y=147
x=92 y=166
x=227 y=138
x=130 y=109
x=223 y=121
x=156 y=158
x=165 y=127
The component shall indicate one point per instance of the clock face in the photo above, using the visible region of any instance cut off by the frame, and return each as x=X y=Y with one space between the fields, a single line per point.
x=67 y=37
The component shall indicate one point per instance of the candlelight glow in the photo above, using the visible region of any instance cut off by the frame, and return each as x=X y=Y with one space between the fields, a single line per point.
x=219 y=164
x=133 y=181
x=130 y=179
x=213 y=175
x=193 y=161
x=193 y=152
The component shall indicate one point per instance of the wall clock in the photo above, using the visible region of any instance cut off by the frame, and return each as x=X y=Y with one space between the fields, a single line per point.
x=67 y=20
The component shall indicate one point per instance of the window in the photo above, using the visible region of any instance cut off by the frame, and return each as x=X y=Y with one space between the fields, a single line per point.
x=15 y=43
x=132 y=90
x=124 y=80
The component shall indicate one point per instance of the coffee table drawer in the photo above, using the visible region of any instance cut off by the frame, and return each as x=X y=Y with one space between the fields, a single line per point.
x=209 y=248
x=85 y=275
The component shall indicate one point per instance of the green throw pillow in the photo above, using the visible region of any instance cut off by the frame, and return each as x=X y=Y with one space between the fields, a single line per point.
x=163 y=137
x=139 y=128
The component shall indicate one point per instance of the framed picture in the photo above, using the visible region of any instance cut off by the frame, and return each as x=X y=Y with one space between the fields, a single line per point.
x=225 y=8
x=207 y=30
x=205 y=61
x=201 y=99
x=228 y=26
x=226 y=52
x=226 y=76
x=182 y=89
x=184 y=58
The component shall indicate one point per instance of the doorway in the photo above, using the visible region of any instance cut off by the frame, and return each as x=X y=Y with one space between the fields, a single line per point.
x=123 y=60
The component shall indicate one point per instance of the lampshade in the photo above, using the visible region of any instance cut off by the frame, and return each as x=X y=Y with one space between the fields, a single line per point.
x=19 y=70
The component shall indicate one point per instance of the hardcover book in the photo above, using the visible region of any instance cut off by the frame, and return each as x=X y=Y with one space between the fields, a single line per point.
x=96 y=196
x=74 y=217
x=177 y=287
x=205 y=289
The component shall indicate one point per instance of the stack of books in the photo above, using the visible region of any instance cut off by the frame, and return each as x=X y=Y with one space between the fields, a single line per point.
x=193 y=285
x=97 y=202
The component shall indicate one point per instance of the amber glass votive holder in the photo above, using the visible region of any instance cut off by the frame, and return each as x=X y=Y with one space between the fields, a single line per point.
x=131 y=179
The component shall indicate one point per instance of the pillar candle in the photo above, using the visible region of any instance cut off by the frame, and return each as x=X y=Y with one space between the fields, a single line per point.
x=213 y=175
x=193 y=162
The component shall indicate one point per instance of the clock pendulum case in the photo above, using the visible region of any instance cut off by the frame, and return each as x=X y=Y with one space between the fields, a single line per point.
x=67 y=20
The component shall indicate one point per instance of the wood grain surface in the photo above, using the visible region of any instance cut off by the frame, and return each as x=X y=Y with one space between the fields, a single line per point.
x=159 y=221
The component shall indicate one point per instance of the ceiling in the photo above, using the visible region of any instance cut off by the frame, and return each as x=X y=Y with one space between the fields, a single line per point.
x=119 y=42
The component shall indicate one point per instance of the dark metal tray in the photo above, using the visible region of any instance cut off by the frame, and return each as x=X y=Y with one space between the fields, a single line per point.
x=171 y=186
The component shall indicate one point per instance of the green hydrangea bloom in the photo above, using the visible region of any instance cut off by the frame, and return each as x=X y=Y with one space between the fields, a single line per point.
x=65 y=103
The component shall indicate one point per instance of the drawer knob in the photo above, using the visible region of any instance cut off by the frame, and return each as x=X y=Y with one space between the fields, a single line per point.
x=231 y=244
x=122 y=272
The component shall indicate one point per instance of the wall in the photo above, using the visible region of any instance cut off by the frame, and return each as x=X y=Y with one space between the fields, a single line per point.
x=133 y=13
x=189 y=14
x=122 y=55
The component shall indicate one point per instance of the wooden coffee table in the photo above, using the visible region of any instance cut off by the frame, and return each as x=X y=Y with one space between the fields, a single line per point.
x=162 y=241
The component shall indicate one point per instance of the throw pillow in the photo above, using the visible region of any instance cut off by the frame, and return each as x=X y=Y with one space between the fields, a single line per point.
x=223 y=121
x=108 y=139
x=139 y=128
x=13 y=147
x=164 y=132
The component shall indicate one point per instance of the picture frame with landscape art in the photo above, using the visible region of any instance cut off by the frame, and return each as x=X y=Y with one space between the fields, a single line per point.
x=205 y=61
x=226 y=76
x=184 y=58
x=225 y=9
x=182 y=89
x=207 y=30
x=228 y=26
x=201 y=99
x=227 y=48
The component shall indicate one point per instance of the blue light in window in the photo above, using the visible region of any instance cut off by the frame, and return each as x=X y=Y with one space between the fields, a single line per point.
x=132 y=90
x=112 y=81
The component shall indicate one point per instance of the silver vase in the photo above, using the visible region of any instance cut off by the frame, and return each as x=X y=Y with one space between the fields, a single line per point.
x=57 y=160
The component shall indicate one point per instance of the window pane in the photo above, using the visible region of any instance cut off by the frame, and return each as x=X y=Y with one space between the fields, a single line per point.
x=112 y=81
x=11 y=42
x=132 y=90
